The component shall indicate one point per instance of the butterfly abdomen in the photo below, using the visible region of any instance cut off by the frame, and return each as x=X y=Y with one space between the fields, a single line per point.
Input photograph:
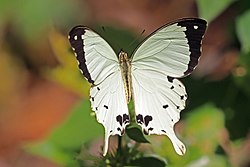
x=126 y=73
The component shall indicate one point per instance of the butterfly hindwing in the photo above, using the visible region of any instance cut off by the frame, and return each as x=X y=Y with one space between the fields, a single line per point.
x=171 y=51
x=158 y=103
x=109 y=103
x=99 y=64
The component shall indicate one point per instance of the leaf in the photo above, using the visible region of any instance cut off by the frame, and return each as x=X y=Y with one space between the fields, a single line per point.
x=75 y=130
x=203 y=127
x=149 y=161
x=67 y=73
x=201 y=123
x=51 y=151
x=243 y=30
x=135 y=133
x=209 y=161
x=64 y=141
x=33 y=18
x=210 y=9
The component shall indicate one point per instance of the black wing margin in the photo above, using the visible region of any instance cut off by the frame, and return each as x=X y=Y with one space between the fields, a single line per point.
x=76 y=41
x=195 y=29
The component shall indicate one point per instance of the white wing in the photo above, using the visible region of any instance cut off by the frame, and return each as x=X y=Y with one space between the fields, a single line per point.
x=109 y=103
x=172 y=51
x=99 y=64
x=158 y=103
x=96 y=58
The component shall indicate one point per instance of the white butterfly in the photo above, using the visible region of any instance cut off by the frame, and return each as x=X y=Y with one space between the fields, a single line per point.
x=148 y=77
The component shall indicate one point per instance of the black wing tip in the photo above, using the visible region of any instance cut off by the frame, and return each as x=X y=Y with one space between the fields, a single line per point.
x=190 y=22
x=195 y=30
x=192 y=19
x=76 y=41
x=77 y=30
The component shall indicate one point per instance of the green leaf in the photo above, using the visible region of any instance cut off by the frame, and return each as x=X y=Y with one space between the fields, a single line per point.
x=31 y=18
x=201 y=123
x=49 y=150
x=210 y=9
x=134 y=132
x=203 y=127
x=76 y=130
x=149 y=161
x=210 y=161
x=63 y=143
x=243 y=30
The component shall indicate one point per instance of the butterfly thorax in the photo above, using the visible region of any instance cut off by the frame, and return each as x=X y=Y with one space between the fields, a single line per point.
x=126 y=73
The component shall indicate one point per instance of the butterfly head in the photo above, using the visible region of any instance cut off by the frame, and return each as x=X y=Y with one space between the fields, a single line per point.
x=123 y=56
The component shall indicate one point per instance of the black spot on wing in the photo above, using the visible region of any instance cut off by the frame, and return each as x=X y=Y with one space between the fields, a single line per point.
x=122 y=131
x=119 y=119
x=122 y=120
x=147 y=119
x=165 y=106
x=139 y=119
x=195 y=29
x=145 y=131
x=125 y=118
x=150 y=129
x=106 y=107
x=170 y=79
x=76 y=41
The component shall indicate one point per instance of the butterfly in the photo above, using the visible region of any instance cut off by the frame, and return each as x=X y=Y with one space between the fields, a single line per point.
x=148 y=77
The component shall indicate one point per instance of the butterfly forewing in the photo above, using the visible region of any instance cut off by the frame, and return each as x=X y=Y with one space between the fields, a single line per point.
x=96 y=58
x=100 y=66
x=171 y=51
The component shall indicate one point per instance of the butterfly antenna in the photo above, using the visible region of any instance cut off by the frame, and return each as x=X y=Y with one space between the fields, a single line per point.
x=136 y=39
x=116 y=45
x=103 y=29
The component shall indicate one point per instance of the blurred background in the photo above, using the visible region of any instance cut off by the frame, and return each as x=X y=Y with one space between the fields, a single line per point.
x=45 y=114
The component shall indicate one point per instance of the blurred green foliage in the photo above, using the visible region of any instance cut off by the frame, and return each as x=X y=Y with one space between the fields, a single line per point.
x=243 y=30
x=202 y=135
x=31 y=18
x=67 y=74
x=65 y=142
x=209 y=9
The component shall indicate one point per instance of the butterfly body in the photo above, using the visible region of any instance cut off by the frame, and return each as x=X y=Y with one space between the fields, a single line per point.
x=149 y=77
x=125 y=67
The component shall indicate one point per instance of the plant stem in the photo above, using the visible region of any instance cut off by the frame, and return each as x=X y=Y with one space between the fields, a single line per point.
x=119 y=147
